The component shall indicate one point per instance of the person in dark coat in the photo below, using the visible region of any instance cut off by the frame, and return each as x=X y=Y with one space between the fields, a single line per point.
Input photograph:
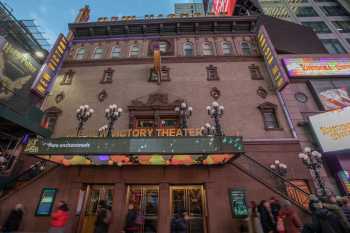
x=275 y=207
x=179 y=223
x=131 y=225
x=333 y=206
x=267 y=219
x=14 y=219
x=103 y=218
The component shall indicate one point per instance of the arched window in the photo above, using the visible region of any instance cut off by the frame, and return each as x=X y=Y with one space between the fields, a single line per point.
x=80 y=54
x=98 y=53
x=134 y=51
x=246 y=48
x=226 y=48
x=188 y=49
x=115 y=53
x=207 y=49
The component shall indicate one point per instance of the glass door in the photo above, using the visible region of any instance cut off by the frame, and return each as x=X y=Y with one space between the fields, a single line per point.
x=94 y=194
x=145 y=199
x=190 y=200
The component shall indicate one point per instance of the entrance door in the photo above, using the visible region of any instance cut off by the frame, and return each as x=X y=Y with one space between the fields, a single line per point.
x=145 y=200
x=94 y=194
x=190 y=199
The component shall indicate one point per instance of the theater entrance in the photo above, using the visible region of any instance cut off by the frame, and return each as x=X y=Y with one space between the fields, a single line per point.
x=191 y=201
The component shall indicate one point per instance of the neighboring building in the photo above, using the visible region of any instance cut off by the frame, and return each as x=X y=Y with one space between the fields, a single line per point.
x=189 y=8
x=328 y=18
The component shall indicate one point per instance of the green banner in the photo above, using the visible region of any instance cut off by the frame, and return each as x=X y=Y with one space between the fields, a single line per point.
x=138 y=145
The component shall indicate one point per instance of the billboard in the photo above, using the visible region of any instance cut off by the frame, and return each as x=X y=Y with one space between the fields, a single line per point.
x=223 y=6
x=272 y=62
x=332 y=129
x=317 y=67
x=49 y=70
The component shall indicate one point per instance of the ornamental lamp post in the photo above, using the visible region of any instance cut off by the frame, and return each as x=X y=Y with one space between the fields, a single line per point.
x=216 y=111
x=112 y=114
x=185 y=112
x=84 y=112
x=281 y=170
x=208 y=130
x=102 y=131
x=312 y=159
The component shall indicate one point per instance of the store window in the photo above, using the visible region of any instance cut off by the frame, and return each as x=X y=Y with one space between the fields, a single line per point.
x=331 y=94
x=188 y=49
x=207 y=49
x=306 y=11
x=334 y=10
x=269 y=114
x=98 y=53
x=68 y=78
x=342 y=26
x=333 y=46
x=107 y=76
x=317 y=27
x=227 y=48
x=134 y=51
x=246 y=49
x=116 y=52
x=80 y=54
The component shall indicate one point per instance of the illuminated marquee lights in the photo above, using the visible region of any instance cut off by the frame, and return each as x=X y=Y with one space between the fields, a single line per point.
x=50 y=68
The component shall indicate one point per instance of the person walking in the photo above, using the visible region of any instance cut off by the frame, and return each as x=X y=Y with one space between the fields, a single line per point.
x=275 y=207
x=13 y=220
x=266 y=217
x=291 y=220
x=103 y=218
x=346 y=208
x=131 y=225
x=59 y=218
x=179 y=223
x=254 y=219
x=332 y=205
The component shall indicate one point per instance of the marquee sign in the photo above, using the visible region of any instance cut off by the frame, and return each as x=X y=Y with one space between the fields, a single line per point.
x=49 y=70
x=134 y=146
x=332 y=129
x=317 y=67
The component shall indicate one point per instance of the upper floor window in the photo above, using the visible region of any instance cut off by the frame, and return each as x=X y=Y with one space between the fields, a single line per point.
x=51 y=117
x=227 y=48
x=80 y=53
x=207 y=49
x=98 y=53
x=188 y=49
x=334 y=11
x=246 y=48
x=212 y=73
x=305 y=11
x=255 y=73
x=342 y=26
x=317 y=27
x=115 y=53
x=68 y=78
x=107 y=76
x=269 y=114
x=134 y=51
x=333 y=46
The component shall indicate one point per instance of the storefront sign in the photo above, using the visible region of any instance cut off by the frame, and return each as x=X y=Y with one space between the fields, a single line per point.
x=332 y=129
x=317 y=67
x=47 y=199
x=141 y=145
x=273 y=64
x=49 y=70
x=238 y=203
x=164 y=132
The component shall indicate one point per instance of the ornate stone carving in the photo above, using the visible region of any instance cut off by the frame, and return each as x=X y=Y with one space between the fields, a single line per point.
x=262 y=92
x=102 y=95
x=59 y=97
x=215 y=93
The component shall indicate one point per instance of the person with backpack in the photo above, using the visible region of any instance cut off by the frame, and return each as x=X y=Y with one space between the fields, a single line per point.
x=59 y=218
x=14 y=219
x=103 y=218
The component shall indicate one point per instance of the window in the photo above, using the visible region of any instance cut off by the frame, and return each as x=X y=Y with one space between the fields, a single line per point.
x=168 y=122
x=115 y=52
x=80 y=54
x=165 y=74
x=188 y=49
x=226 y=48
x=306 y=11
x=150 y=122
x=334 y=10
x=68 y=78
x=50 y=118
x=246 y=49
x=212 y=73
x=268 y=111
x=317 y=27
x=145 y=123
x=207 y=49
x=163 y=46
x=333 y=46
x=255 y=73
x=342 y=26
x=98 y=53
x=134 y=51
x=107 y=76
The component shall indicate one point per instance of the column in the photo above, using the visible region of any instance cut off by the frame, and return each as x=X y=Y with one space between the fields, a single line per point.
x=119 y=208
x=164 y=216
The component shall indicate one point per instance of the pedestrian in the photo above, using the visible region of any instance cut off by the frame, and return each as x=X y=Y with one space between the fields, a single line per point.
x=291 y=220
x=103 y=217
x=254 y=218
x=179 y=223
x=332 y=205
x=59 y=218
x=13 y=220
x=346 y=208
x=275 y=207
x=131 y=226
x=266 y=217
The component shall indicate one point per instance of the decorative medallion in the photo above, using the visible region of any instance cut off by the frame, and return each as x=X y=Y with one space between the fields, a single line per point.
x=261 y=92
x=215 y=93
x=300 y=97
x=102 y=95
x=59 y=97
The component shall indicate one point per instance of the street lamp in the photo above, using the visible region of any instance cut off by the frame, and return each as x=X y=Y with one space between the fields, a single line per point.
x=84 y=112
x=312 y=159
x=216 y=111
x=112 y=114
x=184 y=111
x=279 y=168
x=208 y=130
